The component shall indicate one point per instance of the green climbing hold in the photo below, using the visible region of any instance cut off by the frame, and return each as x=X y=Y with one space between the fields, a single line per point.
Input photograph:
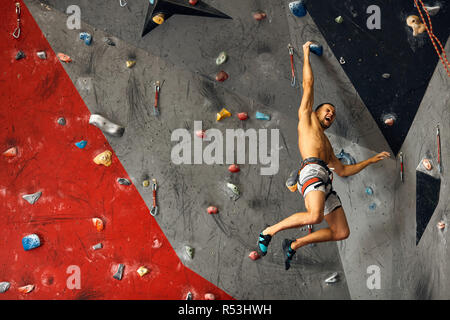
x=339 y=19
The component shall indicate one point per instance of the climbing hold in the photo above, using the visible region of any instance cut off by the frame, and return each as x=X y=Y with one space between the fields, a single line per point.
x=32 y=198
x=234 y=168
x=341 y=60
x=189 y=296
x=41 y=55
x=97 y=246
x=98 y=223
x=345 y=158
x=316 y=48
x=189 y=251
x=224 y=113
x=262 y=116
x=432 y=11
x=210 y=296
x=158 y=18
x=386 y=75
x=222 y=76
x=258 y=16
x=64 y=58
x=26 y=289
x=416 y=25
x=123 y=181
x=369 y=191
x=109 y=42
x=106 y=125
x=20 y=55
x=212 y=210
x=119 y=274
x=61 y=121
x=146 y=183
x=142 y=271
x=11 y=152
x=254 y=255
x=298 y=8
x=104 y=158
x=4 y=286
x=242 y=115
x=441 y=225
x=200 y=133
x=131 y=63
x=86 y=37
x=81 y=144
x=373 y=206
x=31 y=241
x=332 y=278
x=339 y=19
x=233 y=188
x=193 y=2
x=427 y=164
x=389 y=119
x=222 y=58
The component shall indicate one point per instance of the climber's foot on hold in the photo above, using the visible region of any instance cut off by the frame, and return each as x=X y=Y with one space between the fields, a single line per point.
x=263 y=242
x=288 y=253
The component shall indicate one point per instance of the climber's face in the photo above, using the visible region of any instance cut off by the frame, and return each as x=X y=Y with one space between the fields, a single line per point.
x=326 y=115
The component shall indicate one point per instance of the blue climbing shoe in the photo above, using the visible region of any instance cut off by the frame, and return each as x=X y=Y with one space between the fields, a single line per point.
x=288 y=253
x=263 y=243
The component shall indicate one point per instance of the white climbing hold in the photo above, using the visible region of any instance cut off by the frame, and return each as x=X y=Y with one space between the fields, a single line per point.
x=4 y=286
x=32 y=198
x=332 y=278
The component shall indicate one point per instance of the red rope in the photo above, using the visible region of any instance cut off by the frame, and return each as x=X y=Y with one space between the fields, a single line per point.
x=442 y=55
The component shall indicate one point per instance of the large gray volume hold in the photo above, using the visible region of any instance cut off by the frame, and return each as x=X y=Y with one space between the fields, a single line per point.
x=106 y=126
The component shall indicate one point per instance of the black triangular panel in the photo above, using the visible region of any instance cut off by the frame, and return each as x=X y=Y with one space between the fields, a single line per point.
x=182 y=7
x=427 y=198
x=368 y=54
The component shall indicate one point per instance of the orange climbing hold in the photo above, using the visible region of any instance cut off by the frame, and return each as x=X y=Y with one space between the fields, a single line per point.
x=64 y=58
x=224 y=113
x=11 y=152
x=26 y=289
x=98 y=223
x=427 y=164
x=258 y=16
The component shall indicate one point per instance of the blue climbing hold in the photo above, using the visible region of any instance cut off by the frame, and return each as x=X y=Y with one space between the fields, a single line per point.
x=30 y=242
x=262 y=116
x=316 y=48
x=345 y=158
x=86 y=37
x=152 y=1
x=298 y=8
x=372 y=206
x=369 y=191
x=81 y=144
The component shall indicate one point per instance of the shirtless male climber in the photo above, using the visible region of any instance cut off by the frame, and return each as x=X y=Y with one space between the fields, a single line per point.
x=314 y=177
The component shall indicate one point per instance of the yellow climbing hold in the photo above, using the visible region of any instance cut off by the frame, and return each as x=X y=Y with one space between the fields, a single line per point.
x=224 y=113
x=142 y=271
x=158 y=18
x=130 y=63
x=104 y=158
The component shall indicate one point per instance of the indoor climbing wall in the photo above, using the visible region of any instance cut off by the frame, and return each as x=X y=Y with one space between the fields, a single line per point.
x=220 y=66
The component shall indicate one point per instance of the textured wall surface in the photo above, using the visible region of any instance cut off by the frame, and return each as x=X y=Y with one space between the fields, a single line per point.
x=181 y=53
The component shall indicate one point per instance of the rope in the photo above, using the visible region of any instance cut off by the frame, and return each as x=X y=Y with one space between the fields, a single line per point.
x=442 y=55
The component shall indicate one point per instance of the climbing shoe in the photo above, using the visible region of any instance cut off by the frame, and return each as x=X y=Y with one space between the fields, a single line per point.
x=291 y=182
x=263 y=243
x=288 y=253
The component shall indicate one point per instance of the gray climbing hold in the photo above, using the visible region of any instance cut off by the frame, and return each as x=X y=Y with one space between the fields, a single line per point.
x=61 y=121
x=233 y=188
x=97 y=246
x=123 y=181
x=109 y=42
x=386 y=75
x=42 y=55
x=332 y=278
x=222 y=58
x=189 y=251
x=4 y=286
x=339 y=19
x=20 y=55
x=106 y=126
x=119 y=274
x=32 y=198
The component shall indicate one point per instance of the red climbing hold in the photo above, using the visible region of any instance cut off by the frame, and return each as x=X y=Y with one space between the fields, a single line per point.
x=259 y=16
x=389 y=121
x=193 y=2
x=210 y=296
x=254 y=255
x=11 y=152
x=200 y=134
x=234 y=168
x=222 y=76
x=242 y=115
x=212 y=210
